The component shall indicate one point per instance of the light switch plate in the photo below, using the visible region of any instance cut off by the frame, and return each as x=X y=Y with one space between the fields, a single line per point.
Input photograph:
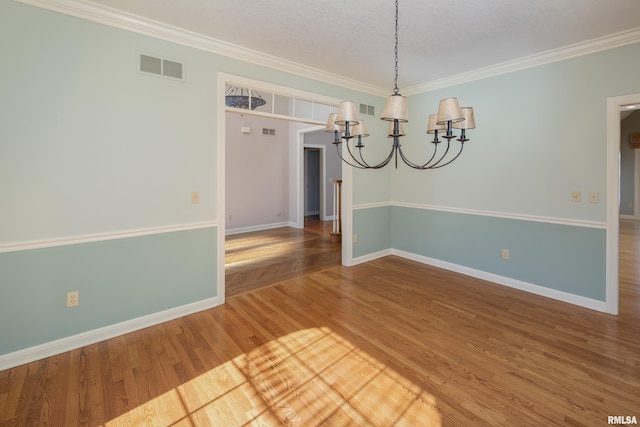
x=576 y=196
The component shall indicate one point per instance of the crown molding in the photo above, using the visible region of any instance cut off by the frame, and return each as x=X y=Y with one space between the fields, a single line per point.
x=611 y=41
x=123 y=20
x=138 y=24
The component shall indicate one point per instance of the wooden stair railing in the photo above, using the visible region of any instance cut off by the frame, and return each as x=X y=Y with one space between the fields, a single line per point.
x=336 y=233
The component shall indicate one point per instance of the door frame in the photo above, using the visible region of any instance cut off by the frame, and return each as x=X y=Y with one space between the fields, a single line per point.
x=322 y=174
x=613 y=199
x=347 y=173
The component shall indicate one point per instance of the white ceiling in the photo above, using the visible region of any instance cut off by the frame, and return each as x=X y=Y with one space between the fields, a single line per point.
x=355 y=38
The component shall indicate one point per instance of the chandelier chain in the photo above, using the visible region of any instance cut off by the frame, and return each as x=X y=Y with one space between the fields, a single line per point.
x=395 y=81
x=349 y=129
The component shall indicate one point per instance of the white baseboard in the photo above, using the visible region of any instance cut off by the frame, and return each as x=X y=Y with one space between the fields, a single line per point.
x=371 y=257
x=506 y=281
x=631 y=217
x=490 y=277
x=259 y=227
x=52 y=348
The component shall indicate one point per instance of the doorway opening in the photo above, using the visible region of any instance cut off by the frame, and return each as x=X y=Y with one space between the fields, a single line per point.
x=273 y=233
x=614 y=106
x=280 y=214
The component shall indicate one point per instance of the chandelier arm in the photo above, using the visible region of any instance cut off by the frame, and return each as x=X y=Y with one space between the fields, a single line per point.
x=455 y=157
x=361 y=161
x=433 y=156
x=426 y=165
x=346 y=161
x=380 y=165
x=363 y=164
x=386 y=161
x=409 y=162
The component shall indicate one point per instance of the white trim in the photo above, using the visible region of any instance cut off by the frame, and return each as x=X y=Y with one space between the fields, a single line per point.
x=506 y=281
x=630 y=217
x=372 y=205
x=372 y=256
x=347 y=173
x=490 y=277
x=347 y=211
x=138 y=24
x=285 y=91
x=260 y=228
x=493 y=214
x=613 y=198
x=52 y=348
x=99 y=237
x=221 y=167
x=588 y=47
x=141 y=25
x=520 y=217
x=323 y=173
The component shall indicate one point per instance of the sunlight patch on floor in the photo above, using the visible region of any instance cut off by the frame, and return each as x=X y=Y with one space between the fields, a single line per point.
x=306 y=378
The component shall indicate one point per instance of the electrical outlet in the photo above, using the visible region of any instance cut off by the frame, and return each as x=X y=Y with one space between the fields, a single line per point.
x=195 y=197
x=505 y=254
x=355 y=238
x=72 y=299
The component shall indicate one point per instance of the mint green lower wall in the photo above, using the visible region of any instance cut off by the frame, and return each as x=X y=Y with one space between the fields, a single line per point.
x=372 y=226
x=560 y=257
x=117 y=280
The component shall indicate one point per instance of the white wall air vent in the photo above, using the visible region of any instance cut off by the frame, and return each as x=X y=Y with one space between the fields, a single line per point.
x=267 y=131
x=367 y=109
x=161 y=67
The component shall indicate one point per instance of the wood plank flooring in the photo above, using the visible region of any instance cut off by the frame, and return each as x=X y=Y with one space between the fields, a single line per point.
x=261 y=258
x=388 y=342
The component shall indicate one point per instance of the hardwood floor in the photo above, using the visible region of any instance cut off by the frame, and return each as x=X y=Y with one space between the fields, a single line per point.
x=261 y=258
x=388 y=342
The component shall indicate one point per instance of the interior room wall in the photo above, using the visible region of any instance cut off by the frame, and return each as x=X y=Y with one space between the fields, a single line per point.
x=99 y=163
x=98 y=166
x=258 y=169
x=541 y=134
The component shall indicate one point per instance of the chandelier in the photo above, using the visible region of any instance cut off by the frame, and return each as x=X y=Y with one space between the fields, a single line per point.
x=243 y=98
x=346 y=126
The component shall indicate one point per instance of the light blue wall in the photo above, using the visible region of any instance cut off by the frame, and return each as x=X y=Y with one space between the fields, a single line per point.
x=90 y=146
x=118 y=280
x=561 y=257
x=373 y=228
x=541 y=133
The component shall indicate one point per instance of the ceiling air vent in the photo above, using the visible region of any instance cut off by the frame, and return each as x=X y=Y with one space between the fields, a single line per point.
x=161 y=67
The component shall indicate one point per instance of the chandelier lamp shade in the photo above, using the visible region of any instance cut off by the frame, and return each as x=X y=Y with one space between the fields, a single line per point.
x=350 y=130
